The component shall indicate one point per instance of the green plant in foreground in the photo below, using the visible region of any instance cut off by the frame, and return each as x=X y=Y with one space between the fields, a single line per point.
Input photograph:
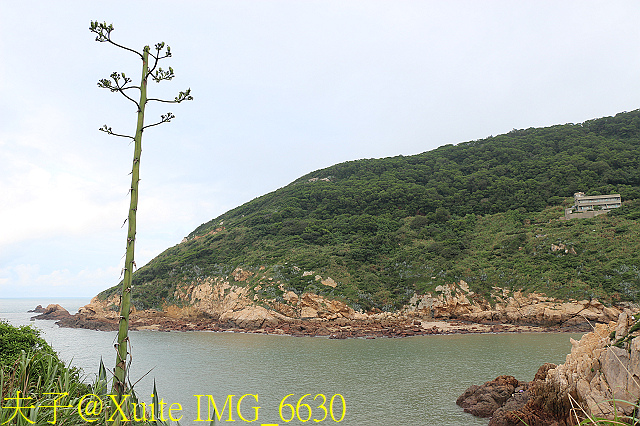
x=120 y=83
x=16 y=340
x=51 y=393
x=40 y=379
x=37 y=388
x=30 y=369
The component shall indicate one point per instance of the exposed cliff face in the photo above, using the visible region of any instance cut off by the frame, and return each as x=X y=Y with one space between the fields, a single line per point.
x=456 y=301
x=241 y=305
x=597 y=372
x=238 y=302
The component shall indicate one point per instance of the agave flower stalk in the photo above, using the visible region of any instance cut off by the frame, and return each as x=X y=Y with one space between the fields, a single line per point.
x=125 y=303
x=119 y=82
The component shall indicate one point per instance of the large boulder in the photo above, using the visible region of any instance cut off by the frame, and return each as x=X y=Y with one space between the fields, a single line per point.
x=516 y=409
x=484 y=400
x=53 y=312
x=38 y=309
x=250 y=318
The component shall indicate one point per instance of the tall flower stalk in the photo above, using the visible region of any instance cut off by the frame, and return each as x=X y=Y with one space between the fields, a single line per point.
x=119 y=82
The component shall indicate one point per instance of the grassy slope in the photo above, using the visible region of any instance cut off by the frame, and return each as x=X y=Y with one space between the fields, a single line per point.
x=479 y=211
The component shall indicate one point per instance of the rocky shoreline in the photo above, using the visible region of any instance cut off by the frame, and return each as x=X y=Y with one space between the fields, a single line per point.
x=602 y=367
x=599 y=380
x=333 y=329
x=225 y=304
x=394 y=325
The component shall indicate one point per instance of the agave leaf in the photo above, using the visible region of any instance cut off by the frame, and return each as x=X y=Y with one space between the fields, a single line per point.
x=102 y=372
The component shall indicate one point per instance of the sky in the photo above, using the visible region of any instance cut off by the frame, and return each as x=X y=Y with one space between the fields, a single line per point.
x=281 y=88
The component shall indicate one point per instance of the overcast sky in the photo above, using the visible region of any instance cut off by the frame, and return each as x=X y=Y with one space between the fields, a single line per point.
x=281 y=88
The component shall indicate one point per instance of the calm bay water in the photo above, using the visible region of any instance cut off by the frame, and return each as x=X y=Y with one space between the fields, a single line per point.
x=409 y=381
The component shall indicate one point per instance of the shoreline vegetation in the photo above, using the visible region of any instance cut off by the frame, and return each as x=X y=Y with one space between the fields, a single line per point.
x=37 y=388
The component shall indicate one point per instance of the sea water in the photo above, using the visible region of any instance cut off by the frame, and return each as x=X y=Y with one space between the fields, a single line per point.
x=403 y=381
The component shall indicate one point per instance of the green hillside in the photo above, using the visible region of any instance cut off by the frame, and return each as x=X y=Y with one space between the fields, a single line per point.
x=484 y=211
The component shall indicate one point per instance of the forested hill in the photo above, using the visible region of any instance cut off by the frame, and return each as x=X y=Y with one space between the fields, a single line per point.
x=385 y=228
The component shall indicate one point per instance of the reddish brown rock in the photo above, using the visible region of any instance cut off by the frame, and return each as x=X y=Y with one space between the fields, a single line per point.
x=234 y=302
x=484 y=400
x=38 y=309
x=521 y=406
x=597 y=379
x=53 y=312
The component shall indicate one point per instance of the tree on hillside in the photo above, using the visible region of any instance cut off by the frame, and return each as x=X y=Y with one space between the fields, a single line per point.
x=120 y=83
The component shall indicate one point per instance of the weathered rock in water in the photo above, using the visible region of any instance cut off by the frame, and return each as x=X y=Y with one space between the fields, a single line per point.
x=509 y=402
x=515 y=410
x=38 y=309
x=79 y=321
x=484 y=400
x=600 y=378
x=53 y=312
x=503 y=416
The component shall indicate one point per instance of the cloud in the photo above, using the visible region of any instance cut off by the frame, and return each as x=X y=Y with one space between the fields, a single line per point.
x=40 y=203
x=50 y=184
x=27 y=280
x=281 y=89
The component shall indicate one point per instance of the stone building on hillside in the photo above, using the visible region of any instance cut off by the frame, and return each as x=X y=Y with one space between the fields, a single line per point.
x=586 y=206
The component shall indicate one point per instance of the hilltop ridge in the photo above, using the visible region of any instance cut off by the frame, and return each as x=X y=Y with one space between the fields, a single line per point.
x=386 y=230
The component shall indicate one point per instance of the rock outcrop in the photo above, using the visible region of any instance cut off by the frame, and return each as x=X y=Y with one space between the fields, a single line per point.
x=457 y=301
x=599 y=379
x=38 y=309
x=52 y=312
x=484 y=400
x=235 y=304
x=601 y=375
x=250 y=300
